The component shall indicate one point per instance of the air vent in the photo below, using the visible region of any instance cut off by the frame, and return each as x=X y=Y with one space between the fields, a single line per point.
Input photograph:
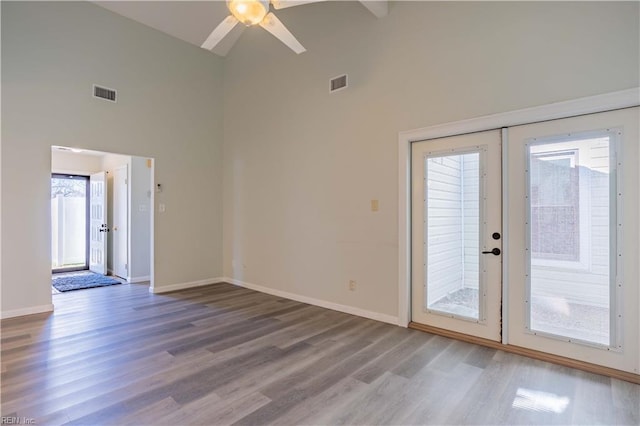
x=104 y=93
x=338 y=83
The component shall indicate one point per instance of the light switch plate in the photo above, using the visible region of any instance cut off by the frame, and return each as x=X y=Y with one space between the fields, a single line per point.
x=374 y=205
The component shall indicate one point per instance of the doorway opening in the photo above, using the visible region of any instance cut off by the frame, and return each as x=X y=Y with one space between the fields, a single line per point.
x=69 y=223
x=115 y=227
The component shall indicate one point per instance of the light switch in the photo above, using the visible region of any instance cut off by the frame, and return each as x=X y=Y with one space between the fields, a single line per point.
x=374 y=205
x=161 y=208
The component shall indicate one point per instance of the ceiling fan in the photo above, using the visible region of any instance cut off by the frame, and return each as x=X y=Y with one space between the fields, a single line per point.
x=256 y=12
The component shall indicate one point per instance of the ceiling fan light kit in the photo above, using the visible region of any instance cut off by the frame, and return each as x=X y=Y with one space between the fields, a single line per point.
x=249 y=12
x=256 y=12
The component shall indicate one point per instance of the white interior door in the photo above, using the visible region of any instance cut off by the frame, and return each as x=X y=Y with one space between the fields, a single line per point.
x=98 y=225
x=120 y=222
x=573 y=238
x=456 y=233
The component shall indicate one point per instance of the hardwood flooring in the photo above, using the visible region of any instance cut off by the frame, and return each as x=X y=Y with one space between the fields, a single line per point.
x=226 y=355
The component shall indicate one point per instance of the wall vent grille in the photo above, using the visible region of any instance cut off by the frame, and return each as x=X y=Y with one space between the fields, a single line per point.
x=104 y=93
x=338 y=83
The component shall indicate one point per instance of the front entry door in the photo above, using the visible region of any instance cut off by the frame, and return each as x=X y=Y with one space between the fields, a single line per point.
x=98 y=223
x=456 y=234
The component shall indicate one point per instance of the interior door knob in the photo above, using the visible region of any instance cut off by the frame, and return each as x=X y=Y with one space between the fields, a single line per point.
x=496 y=251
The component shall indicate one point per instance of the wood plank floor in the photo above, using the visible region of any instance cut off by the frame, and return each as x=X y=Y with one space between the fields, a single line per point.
x=226 y=355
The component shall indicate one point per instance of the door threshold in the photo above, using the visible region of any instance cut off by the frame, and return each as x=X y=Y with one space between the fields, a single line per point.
x=64 y=270
x=531 y=353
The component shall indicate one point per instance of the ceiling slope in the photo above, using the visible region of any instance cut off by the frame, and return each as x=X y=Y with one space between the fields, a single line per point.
x=194 y=21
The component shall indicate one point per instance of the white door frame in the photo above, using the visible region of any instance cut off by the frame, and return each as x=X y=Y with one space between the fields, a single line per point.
x=151 y=164
x=588 y=105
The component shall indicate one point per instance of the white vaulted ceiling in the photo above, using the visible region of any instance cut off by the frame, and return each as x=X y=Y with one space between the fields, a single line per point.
x=193 y=21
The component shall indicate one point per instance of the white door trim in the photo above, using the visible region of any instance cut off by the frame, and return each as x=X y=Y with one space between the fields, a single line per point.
x=588 y=105
x=151 y=163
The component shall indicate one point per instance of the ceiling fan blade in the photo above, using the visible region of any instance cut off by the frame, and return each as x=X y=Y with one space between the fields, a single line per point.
x=282 y=4
x=380 y=8
x=218 y=34
x=272 y=24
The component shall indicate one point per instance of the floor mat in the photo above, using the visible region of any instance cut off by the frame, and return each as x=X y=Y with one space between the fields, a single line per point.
x=81 y=280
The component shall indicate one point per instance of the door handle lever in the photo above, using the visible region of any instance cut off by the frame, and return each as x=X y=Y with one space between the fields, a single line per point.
x=496 y=251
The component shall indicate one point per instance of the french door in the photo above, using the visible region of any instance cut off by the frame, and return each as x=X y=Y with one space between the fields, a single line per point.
x=571 y=203
x=456 y=222
x=573 y=238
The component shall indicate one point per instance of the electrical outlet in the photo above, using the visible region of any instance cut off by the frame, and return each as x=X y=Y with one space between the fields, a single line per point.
x=352 y=285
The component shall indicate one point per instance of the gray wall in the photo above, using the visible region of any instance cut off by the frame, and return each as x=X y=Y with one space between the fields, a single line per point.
x=140 y=218
x=169 y=109
x=83 y=164
x=299 y=179
x=300 y=165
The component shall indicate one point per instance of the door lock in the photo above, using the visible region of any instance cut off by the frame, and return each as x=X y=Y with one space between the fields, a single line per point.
x=496 y=252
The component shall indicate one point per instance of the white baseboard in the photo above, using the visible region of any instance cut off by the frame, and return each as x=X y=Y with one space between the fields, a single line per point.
x=140 y=279
x=110 y=273
x=26 y=311
x=317 y=302
x=304 y=299
x=182 y=286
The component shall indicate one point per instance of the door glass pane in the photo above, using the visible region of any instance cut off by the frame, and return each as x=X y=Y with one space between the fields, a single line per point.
x=452 y=210
x=68 y=222
x=569 y=238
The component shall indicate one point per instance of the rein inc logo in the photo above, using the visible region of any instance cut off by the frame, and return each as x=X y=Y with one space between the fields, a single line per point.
x=12 y=420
